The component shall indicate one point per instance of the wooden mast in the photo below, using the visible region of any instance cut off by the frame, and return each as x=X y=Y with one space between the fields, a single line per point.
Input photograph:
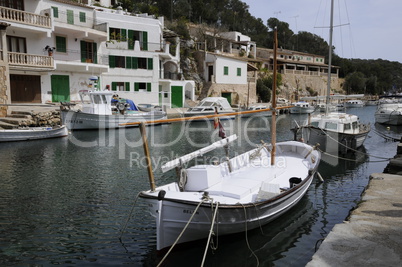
x=147 y=157
x=273 y=126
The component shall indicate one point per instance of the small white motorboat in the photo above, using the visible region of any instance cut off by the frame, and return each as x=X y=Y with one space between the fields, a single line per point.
x=101 y=111
x=301 y=107
x=209 y=106
x=357 y=103
x=32 y=133
x=389 y=114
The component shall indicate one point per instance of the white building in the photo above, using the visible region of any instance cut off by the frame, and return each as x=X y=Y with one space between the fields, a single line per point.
x=54 y=47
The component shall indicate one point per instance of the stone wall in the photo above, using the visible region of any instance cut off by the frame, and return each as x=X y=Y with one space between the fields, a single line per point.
x=296 y=84
x=239 y=92
x=3 y=91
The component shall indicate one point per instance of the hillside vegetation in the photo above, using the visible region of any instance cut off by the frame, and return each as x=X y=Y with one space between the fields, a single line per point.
x=370 y=76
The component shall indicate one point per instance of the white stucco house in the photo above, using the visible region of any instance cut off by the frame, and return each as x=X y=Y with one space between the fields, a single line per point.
x=55 y=48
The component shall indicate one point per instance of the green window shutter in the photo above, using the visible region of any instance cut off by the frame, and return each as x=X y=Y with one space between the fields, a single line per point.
x=112 y=61
x=135 y=63
x=123 y=35
x=149 y=88
x=127 y=86
x=238 y=71
x=129 y=62
x=95 y=49
x=225 y=70
x=136 y=87
x=114 y=86
x=145 y=41
x=131 y=39
x=83 y=17
x=61 y=44
x=150 y=64
x=83 y=51
x=55 y=11
x=70 y=16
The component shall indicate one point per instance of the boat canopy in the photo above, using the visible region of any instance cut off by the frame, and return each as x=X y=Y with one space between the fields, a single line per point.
x=215 y=102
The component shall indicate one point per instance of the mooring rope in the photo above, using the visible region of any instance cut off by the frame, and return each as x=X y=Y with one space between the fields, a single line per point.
x=182 y=232
x=354 y=150
x=129 y=217
x=210 y=232
x=390 y=138
x=248 y=244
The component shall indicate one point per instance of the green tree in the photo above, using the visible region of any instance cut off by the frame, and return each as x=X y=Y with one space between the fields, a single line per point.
x=355 y=83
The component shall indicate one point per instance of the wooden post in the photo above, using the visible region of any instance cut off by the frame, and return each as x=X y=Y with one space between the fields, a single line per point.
x=273 y=126
x=147 y=156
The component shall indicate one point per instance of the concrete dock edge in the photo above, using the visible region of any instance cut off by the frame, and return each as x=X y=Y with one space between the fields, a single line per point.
x=373 y=234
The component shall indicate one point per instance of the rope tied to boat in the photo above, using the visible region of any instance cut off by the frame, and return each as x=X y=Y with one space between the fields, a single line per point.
x=211 y=232
x=129 y=217
x=184 y=229
x=248 y=244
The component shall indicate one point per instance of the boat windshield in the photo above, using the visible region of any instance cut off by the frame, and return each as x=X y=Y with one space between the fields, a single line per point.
x=207 y=104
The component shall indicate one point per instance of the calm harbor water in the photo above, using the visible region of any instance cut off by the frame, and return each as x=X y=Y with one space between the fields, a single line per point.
x=64 y=201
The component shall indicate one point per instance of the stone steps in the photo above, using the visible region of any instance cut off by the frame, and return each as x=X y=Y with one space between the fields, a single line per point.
x=5 y=125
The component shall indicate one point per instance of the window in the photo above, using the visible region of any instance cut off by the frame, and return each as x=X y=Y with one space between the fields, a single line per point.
x=55 y=11
x=238 y=71
x=70 y=16
x=142 y=63
x=346 y=126
x=89 y=52
x=225 y=70
x=314 y=123
x=61 y=44
x=142 y=86
x=354 y=125
x=117 y=62
x=16 y=44
x=120 y=86
x=331 y=126
x=118 y=34
x=14 y=4
x=83 y=17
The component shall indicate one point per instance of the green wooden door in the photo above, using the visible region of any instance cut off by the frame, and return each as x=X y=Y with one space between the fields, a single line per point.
x=60 y=88
x=228 y=96
x=177 y=96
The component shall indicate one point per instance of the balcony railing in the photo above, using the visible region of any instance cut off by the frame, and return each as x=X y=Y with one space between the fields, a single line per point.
x=20 y=16
x=27 y=60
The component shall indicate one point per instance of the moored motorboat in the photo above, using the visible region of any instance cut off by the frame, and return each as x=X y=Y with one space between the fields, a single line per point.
x=301 y=107
x=101 y=111
x=335 y=132
x=389 y=114
x=32 y=133
x=209 y=106
x=356 y=103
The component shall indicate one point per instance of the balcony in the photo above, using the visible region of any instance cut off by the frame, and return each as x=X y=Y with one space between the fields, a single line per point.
x=19 y=16
x=31 y=62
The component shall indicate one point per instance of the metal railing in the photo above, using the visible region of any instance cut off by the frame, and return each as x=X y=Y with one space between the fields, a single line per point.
x=28 y=60
x=20 y=16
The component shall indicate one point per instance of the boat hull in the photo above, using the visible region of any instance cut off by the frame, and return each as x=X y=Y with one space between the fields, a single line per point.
x=196 y=115
x=241 y=191
x=301 y=110
x=75 y=120
x=32 y=133
x=173 y=215
x=389 y=114
x=333 y=141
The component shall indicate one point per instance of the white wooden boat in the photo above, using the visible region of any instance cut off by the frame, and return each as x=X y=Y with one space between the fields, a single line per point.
x=389 y=114
x=371 y=102
x=208 y=105
x=238 y=194
x=335 y=132
x=244 y=190
x=32 y=133
x=301 y=107
x=98 y=112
